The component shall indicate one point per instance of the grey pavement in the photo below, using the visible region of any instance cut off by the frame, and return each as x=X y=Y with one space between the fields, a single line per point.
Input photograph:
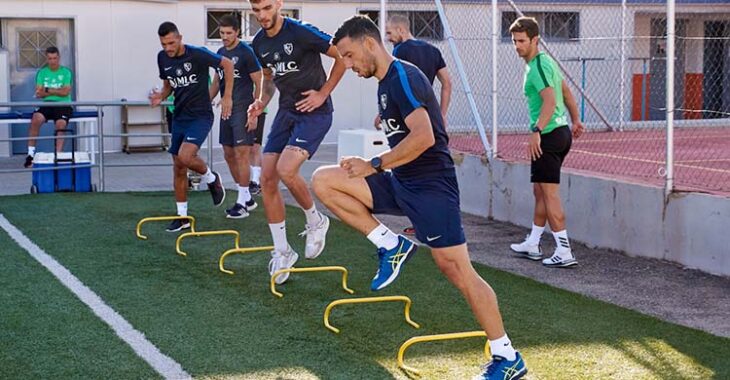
x=657 y=288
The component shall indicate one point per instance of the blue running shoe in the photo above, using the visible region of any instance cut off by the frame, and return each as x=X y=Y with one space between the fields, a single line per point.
x=502 y=369
x=391 y=262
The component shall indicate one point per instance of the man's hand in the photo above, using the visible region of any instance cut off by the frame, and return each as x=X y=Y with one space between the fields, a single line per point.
x=155 y=98
x=254 y=111
x=357 y=167
x=226 y=107
x=376 y=122
x=313 y=99
x=578 y=129
x=533 y=146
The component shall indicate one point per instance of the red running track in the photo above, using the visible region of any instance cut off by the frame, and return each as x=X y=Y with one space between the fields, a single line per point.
x=701 y=156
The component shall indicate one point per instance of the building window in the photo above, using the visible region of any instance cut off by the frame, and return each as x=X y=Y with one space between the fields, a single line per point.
x=32 y=47
x=425 y=25
x=554 y=26
x=246 y=18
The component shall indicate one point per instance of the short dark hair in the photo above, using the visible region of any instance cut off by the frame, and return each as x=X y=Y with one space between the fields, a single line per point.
x=356 y=27
x=52 y=50
x=166 y=28
x=525 y=24
x=230 y=20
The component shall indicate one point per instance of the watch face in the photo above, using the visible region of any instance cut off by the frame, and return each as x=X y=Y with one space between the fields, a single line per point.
x=376 y=162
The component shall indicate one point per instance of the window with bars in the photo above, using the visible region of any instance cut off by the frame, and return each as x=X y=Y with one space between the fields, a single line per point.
x=32 y=46
x=246 y=18
x=554 y=26
x=425 y=25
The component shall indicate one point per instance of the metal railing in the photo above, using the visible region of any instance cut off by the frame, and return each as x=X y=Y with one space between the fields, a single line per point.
x=100 y=135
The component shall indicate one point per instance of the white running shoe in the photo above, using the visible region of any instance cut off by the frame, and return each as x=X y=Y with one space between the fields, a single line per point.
x=282 y=260
x=528 y=250
x=316 y=236
x=560 y=259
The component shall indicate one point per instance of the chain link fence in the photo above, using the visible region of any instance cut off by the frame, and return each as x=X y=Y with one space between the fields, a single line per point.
x=613 y=57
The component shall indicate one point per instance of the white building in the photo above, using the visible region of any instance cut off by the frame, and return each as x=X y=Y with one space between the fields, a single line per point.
x=112 y=45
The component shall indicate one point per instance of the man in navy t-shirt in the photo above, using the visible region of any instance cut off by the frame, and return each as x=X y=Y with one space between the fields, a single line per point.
x=184 y=72
x=291 y=54
x=236 y=136
x=425 y=56
x=416 y=178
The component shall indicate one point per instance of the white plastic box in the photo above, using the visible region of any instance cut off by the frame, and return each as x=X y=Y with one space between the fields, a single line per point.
x=366 y=143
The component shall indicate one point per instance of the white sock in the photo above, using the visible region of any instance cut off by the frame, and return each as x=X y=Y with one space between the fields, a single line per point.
x=243 y=195
x=503 y=347
x=562 y=244
x=182 y=208
x=535 y=234
x=31 y=151
x=383 y=237
x=313 y=216
x=208 y=177
x=256 y=174
x=278 y=233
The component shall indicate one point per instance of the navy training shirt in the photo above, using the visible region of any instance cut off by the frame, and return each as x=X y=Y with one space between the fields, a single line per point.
x=422 y=54
x=294 y=57
x=244 y=64
x=403 y=90
x=188 y=75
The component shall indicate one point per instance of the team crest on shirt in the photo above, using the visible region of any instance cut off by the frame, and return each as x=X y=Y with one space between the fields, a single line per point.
x=179 y=72
x=288 y=48
x=383 y=101
x=188 y=66
x=235 y=60
x=276 y=56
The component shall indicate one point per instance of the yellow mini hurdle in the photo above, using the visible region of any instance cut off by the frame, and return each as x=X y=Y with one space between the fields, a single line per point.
x=238 y=250
x=432 y=338
x=312 y=269
x=205 y=233
x=344 y=301
x=162 y=219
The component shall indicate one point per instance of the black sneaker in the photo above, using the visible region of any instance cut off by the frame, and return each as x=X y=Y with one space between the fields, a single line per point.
x=217 y=191
x=178 y=225
x=254 y=188
x=28 y=161
x=251 y=205
x=238 y=211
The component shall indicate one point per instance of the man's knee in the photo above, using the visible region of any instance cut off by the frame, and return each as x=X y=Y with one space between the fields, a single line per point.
x=323 y=179
x=37 y=119
x=287 y=171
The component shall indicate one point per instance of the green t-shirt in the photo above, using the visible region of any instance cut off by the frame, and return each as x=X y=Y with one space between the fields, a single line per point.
x=54 y=79
x=542 y=72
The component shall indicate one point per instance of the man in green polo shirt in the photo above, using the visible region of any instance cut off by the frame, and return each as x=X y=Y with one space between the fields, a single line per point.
x=548 y=96
x=52 y=84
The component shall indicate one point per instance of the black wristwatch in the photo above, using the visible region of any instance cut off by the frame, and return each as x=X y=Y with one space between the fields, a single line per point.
x=535 y=129
x=377 y=164
x=45 y=89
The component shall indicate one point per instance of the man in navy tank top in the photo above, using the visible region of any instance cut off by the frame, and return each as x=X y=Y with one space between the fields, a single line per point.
x=415 y=178
x=184 y=72
x=290 y=52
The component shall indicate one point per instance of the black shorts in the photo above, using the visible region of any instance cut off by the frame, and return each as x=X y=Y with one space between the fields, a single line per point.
x=260 y=129
x=234 y=132
x=555 y=146
x=55 y=113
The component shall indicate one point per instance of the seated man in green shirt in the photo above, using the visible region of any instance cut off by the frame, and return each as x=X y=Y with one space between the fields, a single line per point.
x=52 y=84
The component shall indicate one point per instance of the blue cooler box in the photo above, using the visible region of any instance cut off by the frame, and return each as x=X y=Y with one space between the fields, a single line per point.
x=44 y=182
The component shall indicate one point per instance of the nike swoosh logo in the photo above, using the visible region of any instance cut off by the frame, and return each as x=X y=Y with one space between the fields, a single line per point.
x=191 y=139
x=383 y=234
x=265 y=54
x=168 y=68
x=239 y=141
x=300 y=140
x=429 y=238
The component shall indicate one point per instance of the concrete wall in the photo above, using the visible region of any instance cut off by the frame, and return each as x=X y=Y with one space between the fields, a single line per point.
x=689 y=229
